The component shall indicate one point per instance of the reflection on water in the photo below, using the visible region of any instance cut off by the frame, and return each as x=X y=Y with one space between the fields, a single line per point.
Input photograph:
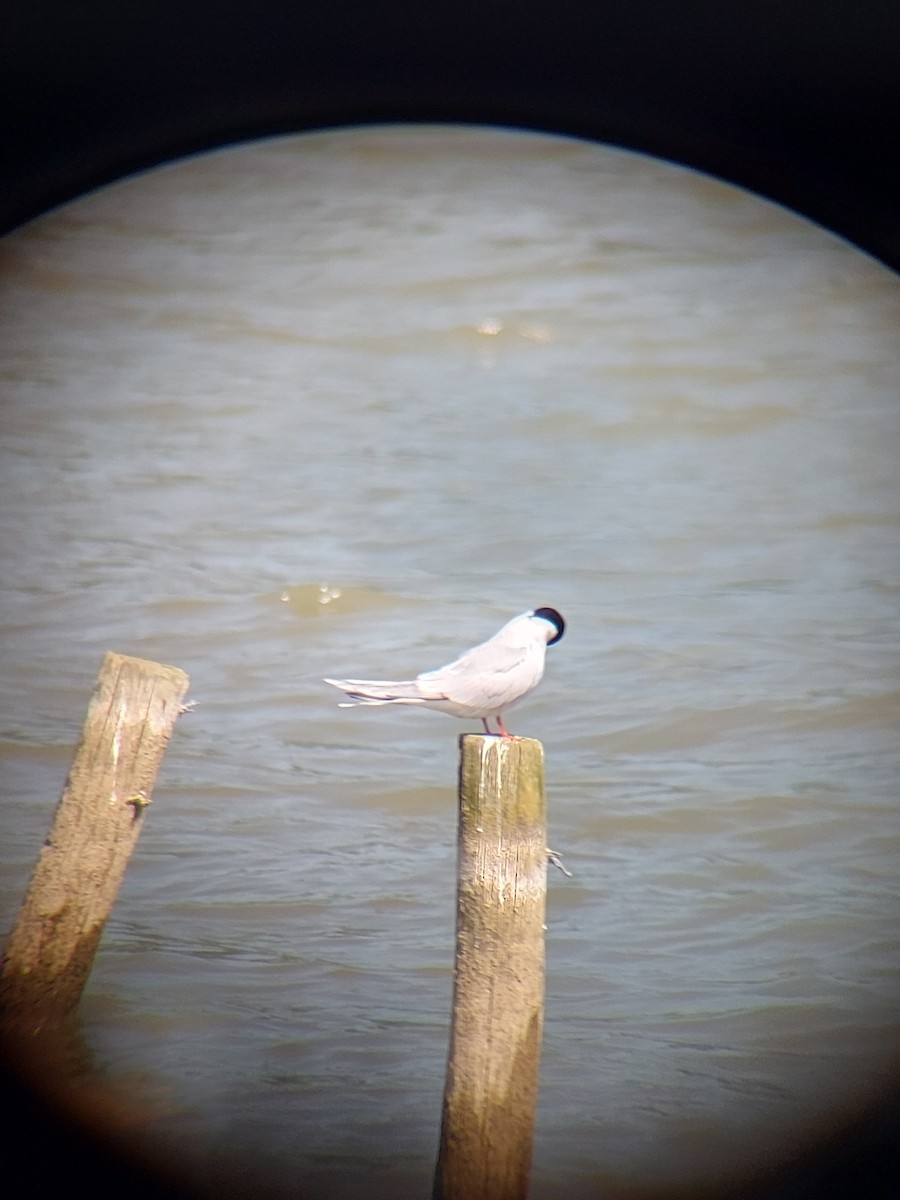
x=340 y=405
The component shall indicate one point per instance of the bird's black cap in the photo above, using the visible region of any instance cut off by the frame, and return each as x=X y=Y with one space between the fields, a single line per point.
x=551 y=615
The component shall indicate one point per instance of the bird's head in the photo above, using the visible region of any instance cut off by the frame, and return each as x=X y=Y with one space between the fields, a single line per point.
x=553 y=618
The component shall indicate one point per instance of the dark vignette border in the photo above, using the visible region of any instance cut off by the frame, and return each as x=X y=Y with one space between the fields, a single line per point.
x=795 y=100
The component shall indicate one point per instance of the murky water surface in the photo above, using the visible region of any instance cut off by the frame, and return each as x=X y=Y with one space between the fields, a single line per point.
x=343 y=404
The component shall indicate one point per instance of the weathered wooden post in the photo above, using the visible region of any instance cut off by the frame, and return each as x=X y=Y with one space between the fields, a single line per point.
x=50 y=950
x=498 y=995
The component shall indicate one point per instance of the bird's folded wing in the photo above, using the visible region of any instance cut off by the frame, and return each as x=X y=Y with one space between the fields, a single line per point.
x=491 y=682
x=379 y=689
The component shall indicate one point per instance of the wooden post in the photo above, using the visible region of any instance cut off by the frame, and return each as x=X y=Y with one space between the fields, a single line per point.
x=495 y=1036
x=50 y=951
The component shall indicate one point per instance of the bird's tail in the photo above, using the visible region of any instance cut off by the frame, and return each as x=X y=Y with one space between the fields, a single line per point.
x=378 y=691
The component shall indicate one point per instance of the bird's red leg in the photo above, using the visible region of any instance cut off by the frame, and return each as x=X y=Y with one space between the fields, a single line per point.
x=487 y=728
x=504 y=732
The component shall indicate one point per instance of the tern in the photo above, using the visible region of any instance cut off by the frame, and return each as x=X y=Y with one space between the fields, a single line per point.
x=484 y=682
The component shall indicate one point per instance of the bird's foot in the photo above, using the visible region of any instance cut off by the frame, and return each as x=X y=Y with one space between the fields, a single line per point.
x=501 y=731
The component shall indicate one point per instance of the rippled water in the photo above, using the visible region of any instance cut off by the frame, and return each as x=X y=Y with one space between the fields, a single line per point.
x=342 y=404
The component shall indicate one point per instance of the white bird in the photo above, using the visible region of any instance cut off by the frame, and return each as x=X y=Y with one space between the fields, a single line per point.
x=484 y=682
